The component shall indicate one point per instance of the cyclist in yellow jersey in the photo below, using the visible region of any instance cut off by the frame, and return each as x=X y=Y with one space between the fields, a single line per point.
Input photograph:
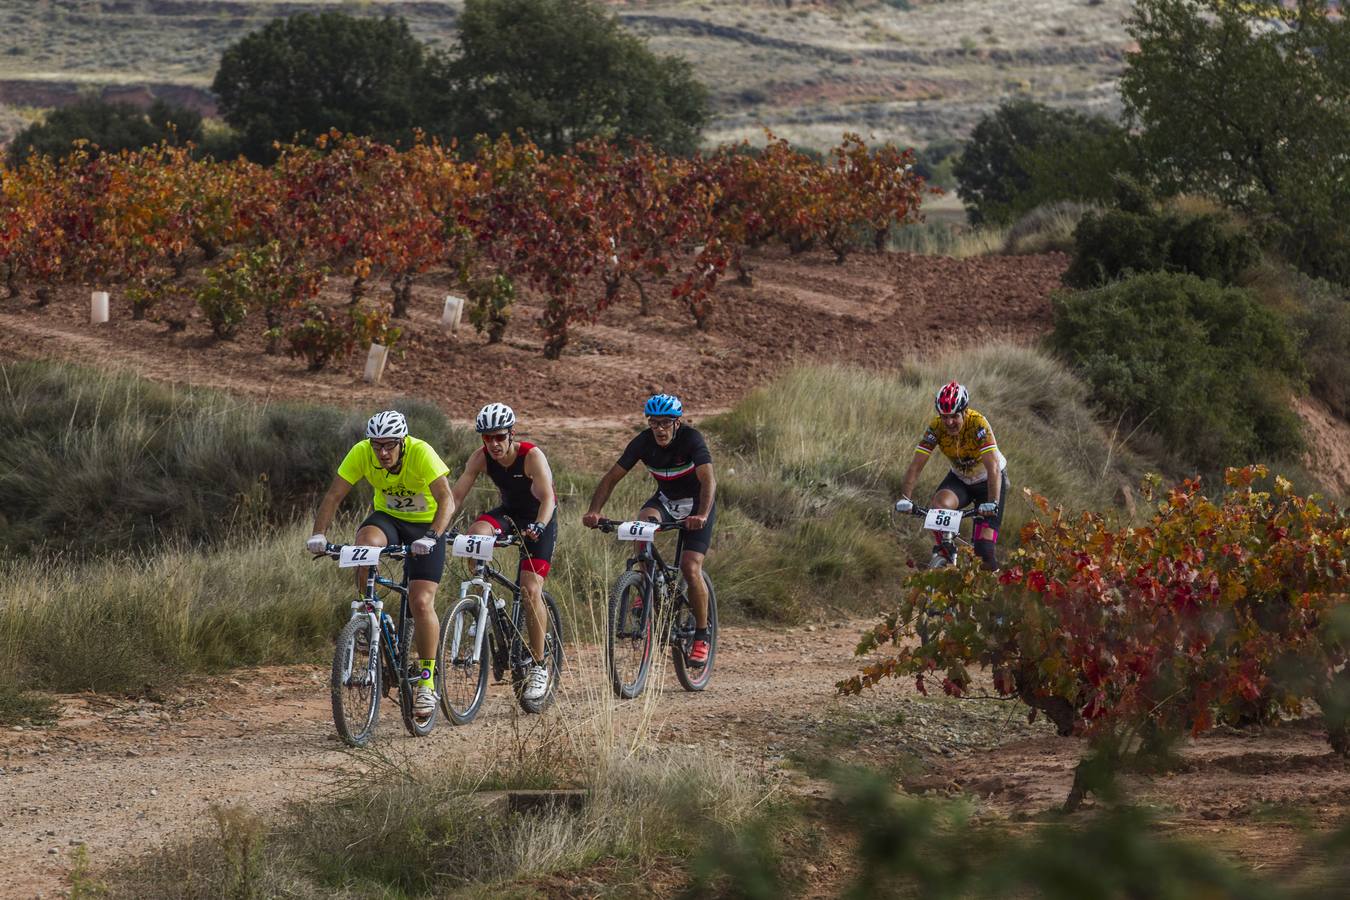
x=978 y=473
x=413 y=505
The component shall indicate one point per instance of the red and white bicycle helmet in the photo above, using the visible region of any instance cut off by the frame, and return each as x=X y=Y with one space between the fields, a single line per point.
x=952 y=399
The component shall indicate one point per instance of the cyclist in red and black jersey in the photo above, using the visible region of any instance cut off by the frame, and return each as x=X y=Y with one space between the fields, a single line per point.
x=677 y=457
x=522 y=474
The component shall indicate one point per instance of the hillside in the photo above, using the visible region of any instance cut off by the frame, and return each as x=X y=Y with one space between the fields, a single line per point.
x=913 y=72
x=873 y=311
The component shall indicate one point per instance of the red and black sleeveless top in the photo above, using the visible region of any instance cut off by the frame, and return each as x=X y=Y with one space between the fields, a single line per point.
x=518 y=499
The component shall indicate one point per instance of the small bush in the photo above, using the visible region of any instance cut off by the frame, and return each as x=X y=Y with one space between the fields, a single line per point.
x=224 y=301
x=1206 y=367
x=1048 y=227
x=1120 y=242
x=490 y=301
x=321 y=338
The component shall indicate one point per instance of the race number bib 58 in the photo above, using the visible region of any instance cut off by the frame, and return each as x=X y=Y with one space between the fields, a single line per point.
x=474 y=546
x=636 y=531
x=355 y=555
x=948 y=520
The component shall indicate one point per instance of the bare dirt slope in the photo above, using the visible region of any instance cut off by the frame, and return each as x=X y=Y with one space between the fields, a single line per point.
x=123 y=776
x=874 y=311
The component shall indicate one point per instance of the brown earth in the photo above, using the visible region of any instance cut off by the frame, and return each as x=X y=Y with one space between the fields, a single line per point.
x=124 y=776
x=874 y=311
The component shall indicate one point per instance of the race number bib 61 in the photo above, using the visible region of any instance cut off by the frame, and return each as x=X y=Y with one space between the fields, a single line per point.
x=948 y=520
x=354 y=555
x=474 y=546
x=636 y=531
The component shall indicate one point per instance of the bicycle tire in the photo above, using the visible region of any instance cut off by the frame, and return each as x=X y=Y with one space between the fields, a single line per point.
x=621 y=630
x=553 y=655
x=360 y=698
x=693 y=678
x=461 y=706
x=407 y=685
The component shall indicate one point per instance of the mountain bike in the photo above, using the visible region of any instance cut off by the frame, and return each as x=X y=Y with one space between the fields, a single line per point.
x=946 y=522
x=373 y=651
x=484 y=630
x=647 y=587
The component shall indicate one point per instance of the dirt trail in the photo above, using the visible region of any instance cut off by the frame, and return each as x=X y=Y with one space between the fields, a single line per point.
x=123 y=776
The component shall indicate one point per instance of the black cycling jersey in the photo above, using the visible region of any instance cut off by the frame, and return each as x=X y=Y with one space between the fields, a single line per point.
x=516 y=487
x=672 y=465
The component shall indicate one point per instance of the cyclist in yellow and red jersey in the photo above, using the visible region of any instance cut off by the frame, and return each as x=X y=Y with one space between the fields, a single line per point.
x=978 y=474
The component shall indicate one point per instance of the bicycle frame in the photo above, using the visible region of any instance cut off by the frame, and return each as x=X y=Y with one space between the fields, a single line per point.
x=502 y=616
x=373 y=607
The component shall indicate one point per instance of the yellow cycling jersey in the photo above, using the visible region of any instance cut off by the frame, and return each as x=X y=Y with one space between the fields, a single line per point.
x=967 y=449
x=407 y=495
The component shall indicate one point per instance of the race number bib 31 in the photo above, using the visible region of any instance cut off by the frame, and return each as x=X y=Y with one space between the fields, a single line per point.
x=474 y=546
x=636 y=531
x=412 y=503
x=354 y=555
x=948 y=520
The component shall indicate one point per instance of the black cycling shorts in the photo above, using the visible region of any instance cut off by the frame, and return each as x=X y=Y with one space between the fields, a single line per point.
x=694 y=541
x=976 y=493
x=397 y=531
x=538 y=554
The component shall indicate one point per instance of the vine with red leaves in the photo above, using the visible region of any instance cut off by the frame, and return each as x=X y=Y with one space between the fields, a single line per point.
x=1234 y=610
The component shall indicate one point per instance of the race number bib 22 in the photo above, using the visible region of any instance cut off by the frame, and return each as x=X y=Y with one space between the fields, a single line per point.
x=411 y=503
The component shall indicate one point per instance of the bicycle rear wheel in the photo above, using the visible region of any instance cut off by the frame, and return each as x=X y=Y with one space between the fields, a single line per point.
x=355 y=683
x=552 y=661
x=693 y=678
x=628 y=634
x=462 y=682
x=407 y=685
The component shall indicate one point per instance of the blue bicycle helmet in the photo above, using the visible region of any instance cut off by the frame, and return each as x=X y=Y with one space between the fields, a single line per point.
x=663 y=405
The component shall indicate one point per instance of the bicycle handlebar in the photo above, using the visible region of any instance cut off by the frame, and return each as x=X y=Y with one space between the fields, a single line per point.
x=393 y=551
x=608 y=525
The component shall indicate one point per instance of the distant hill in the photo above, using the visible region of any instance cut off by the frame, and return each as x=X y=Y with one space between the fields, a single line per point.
x=906 y=70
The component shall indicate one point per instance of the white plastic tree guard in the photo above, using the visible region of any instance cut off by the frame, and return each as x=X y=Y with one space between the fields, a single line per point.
x=98 y=308
x=375 y=360
x=454 y=310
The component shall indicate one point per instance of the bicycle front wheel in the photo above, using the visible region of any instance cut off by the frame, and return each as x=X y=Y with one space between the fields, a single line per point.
x=418 y=726
x=628 y=634
x=692 y=677
x=460 y=680
x=552 y=661
x=355 y=681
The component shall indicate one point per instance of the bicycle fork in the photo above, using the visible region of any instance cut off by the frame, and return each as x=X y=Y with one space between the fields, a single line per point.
x=479 y=629
x=373 y=610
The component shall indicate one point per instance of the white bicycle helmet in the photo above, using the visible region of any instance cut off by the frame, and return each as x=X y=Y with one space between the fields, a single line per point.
x=389 y=424
x=495 y=417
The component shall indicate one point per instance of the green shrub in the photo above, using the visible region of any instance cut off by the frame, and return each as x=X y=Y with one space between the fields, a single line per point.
x=1118 y=242
x=1025 y=154
x=224 y=300
x=1207 y=368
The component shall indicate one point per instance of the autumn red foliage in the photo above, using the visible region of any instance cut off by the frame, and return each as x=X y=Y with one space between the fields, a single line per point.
x=587 y=228
x=1231 y=610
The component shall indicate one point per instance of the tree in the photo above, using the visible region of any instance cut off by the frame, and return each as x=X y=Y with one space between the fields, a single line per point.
x=111 y=127
x=1026 y=153
x=563 y=71
x=311 y=73
x=1250 y=103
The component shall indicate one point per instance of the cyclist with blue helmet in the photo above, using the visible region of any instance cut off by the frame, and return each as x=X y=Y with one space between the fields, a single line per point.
x=677 y=457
